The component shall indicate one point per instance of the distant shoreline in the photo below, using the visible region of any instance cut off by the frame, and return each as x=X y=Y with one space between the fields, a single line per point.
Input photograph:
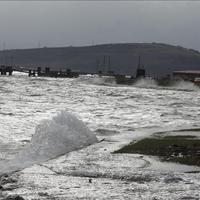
x=122 y=58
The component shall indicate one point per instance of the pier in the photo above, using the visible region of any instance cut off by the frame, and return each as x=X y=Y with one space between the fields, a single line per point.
x=47 y=72
x=6 y=70
x=68 y=73
x=104 y=70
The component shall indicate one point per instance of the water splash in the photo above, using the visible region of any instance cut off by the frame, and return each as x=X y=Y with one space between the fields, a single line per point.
x=146 y=83
x=177 y=85
x=185 y=85
x=63 y=133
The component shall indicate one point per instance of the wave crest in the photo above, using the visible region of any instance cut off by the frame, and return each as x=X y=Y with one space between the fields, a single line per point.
x=62 y=134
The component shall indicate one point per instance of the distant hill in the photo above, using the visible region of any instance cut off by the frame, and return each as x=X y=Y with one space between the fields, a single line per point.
x=158 y=59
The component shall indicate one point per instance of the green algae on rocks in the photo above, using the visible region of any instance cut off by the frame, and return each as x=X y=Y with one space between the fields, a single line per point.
x=184 y=149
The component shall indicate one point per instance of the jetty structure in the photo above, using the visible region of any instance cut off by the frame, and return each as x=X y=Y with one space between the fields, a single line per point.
x=6 y=70
x=55 y=74
x=68 y=73
x=105 y=70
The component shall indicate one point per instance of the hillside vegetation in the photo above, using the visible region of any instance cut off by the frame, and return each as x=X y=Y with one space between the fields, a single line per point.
x=158 y=59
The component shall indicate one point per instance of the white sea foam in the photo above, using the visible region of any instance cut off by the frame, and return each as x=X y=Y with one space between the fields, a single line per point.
x=177 y=85
x=97 y=80
x=63 y=133
x=185 y=85
x=146 y=83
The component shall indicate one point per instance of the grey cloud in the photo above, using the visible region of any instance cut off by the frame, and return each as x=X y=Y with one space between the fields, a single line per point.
x=63 y=23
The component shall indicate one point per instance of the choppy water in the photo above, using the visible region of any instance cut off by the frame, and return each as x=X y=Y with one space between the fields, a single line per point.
x=117 y=114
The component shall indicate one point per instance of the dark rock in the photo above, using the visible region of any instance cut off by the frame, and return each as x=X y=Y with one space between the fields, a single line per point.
x=189 y=198
x=43 y=194
x=5 y=180
x=14 y=197
x=173 y=180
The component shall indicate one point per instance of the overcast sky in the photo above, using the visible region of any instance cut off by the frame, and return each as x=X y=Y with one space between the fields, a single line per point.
x=64 y=23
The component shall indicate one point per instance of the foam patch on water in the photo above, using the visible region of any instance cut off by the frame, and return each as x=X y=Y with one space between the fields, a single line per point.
x=97 y=80
x=63 y=133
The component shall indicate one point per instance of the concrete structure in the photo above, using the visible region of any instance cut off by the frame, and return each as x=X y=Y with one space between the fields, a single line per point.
x=56 y=74
x=187 y=75
x=6 y=69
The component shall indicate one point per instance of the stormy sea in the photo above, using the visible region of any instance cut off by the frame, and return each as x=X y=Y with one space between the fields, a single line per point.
x=57 y=138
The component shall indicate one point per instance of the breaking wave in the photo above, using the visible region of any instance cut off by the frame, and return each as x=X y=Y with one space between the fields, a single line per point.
x=177 y=85
x=62 y=134
x=141 y=83
x=185 y=85
x=146 y=83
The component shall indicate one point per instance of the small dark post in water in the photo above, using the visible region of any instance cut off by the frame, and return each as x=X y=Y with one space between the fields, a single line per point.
x=47 y=70
x=139 y=62
x=140 y=70
x=104 y=64
x=31 y=72
x=9 y=69
x=60 y=73
x=97 y=65
x=110 y=72
x=5 y=69
x=2 y=72
x=68 y=72
x=10 y=72
x=39 y=71
x=100 y=73
x=108 y=63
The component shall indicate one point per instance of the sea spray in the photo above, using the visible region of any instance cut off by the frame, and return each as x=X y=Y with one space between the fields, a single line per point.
x=175 y=85
x=63 y=133
x=185 y=85
x=146 y=83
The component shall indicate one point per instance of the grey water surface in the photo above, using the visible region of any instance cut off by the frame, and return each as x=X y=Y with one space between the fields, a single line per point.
x=117 y=115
